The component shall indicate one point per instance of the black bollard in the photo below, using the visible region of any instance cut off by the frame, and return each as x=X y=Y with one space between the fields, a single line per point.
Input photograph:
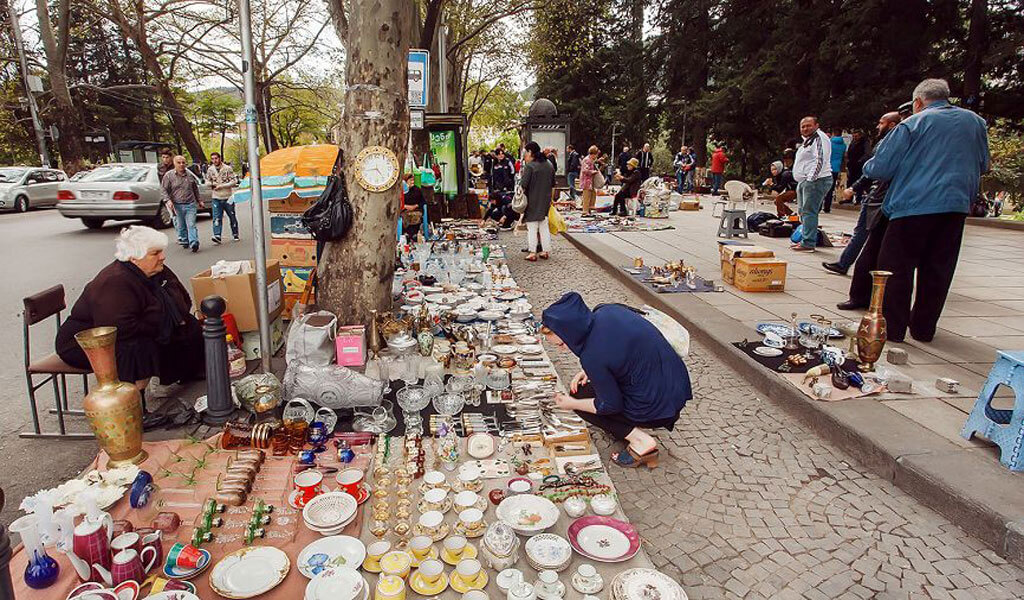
x=219 y=405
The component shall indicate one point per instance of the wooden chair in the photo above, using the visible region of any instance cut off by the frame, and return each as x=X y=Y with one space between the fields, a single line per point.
x=39 y=307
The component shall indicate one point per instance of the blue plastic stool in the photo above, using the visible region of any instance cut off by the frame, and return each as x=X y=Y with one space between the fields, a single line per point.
x=1004 y=428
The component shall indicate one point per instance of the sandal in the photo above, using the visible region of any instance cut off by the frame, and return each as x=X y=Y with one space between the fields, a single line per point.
x=631 y=460
x=544 y=255
x=532 y=258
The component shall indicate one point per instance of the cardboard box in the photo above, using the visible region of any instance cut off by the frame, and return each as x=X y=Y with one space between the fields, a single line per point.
x=292 y=204
x=289 y=303
x=288 y=225
x=351 y=345
x=294 y=253
x=760 y=274
x=730 y=253
x=689 y=204
x=295 y=278
x=239 y=291
x=251 y=340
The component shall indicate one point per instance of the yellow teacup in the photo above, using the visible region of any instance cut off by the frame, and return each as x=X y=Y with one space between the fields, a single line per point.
x=390 y=587
x=430 y=572
x=396 y=562
x=420 y=546
x=469 y=570
x=374 y=552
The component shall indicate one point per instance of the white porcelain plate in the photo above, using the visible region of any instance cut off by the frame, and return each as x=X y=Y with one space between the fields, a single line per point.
x=249 y=572
x=331 y=551
x=527 y=513
x=531 y=349
x=337 y=583
x=767 y=351
x=504 y=349
x=645 y=584
x=603 y=542
x=548 y=550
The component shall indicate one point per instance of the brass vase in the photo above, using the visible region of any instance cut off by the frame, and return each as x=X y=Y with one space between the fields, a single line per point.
x=113 y=407
x=871 y=334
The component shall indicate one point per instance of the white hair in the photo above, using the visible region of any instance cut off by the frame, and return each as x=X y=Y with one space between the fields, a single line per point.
x=136 y=241
x=931 y=90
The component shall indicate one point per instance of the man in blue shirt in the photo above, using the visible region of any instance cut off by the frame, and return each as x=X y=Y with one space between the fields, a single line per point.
x=933 y=162
x=838 y=151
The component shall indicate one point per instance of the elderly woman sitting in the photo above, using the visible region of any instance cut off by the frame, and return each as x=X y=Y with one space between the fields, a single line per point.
x=156 y=333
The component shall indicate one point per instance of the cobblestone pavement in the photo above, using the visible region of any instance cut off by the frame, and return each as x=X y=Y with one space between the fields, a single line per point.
x=747 y=503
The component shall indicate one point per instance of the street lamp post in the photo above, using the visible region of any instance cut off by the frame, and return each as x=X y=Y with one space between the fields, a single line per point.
x=245 y=27
x=37 y=125
x=611 y=157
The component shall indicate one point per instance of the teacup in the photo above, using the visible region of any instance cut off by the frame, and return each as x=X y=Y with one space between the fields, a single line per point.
x=420 y=546
x=389 y=587
x=475 y=595
x=126 y=541
x=375 y=551
x=185 y=557
x=468 y=570
x=396 y=562
x=433 y=499
x=472 y=519
x=309 y=484
x=519 y=485
x=466 y=499
x=431 y=520
x=350 y=480
x=430 y=571
x=434 y=479
x=455 y=545
x=469 y=479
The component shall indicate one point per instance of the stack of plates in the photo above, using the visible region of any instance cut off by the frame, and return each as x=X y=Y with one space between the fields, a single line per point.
x=645 y=584
x=329 y=513
x=548 y=551
x=337 y=583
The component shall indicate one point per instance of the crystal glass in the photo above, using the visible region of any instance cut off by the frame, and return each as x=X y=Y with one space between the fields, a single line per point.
x=433 y=384
x=449 y=405
x=384 y=364
x=458 y=384
x=412 y=399
x=380 y=420
x=41 y=570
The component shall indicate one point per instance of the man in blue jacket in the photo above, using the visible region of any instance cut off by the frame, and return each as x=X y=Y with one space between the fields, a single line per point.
x=933 y=162
x=631 y=377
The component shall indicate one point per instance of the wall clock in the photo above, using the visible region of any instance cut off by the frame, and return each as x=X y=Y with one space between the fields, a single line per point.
x=376 y=168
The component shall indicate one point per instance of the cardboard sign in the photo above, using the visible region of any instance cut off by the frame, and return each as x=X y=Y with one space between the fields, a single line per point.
x=292 y=204
x=295 y=278
x=288 y=225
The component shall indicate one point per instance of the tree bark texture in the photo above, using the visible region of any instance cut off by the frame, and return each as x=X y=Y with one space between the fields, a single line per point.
x=55 y=46
x=356 y=272
x=977 y=46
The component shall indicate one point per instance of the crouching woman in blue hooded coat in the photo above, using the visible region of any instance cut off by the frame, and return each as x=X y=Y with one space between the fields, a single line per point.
x=631 y=380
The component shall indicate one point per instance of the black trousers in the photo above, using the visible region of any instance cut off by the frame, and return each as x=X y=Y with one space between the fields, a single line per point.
x=618 y=425
x=867 y=261
x=619 y=203
x=928 y=245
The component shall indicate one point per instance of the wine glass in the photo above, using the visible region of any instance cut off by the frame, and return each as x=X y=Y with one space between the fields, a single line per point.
x=412 y=399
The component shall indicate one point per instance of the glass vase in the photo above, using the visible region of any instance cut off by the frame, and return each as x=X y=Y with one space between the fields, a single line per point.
x=41 y=570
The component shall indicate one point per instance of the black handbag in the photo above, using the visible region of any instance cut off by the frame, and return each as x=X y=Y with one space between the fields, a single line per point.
x=330 y=218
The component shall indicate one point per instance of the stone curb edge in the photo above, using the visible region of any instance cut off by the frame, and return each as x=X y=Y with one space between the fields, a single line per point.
x=968 y=487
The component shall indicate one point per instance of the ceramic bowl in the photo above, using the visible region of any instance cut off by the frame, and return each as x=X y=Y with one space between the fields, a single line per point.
x=575 y=506
x=603 y=504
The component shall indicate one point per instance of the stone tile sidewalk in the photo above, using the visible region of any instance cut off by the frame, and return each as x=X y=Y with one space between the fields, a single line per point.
x=983 y=314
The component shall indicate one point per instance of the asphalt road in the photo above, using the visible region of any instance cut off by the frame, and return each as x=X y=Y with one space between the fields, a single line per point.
x=40 y=249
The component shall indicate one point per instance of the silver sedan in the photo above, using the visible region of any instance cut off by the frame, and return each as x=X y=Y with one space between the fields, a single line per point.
x=119 y=192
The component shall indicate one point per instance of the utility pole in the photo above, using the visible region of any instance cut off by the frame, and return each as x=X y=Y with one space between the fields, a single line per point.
x=611 y=157
x=245 y=25
x=442 y=63
x=37 y=125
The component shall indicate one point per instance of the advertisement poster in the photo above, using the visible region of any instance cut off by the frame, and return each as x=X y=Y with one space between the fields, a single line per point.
x=419 y=78
x=442 y=145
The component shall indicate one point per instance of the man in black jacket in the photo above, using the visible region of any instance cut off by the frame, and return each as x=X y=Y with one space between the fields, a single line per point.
x=572 y=169
x=646 y=160
x=624 y=157
x=502 y=173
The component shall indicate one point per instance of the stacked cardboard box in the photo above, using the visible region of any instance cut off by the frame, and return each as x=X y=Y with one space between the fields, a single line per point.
x=753 y=268
x=292 y=246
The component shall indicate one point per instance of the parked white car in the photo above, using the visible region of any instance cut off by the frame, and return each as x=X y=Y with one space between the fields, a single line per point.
x=22 y=188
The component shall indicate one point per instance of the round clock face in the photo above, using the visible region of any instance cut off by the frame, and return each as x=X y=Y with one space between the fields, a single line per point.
x=376 y=168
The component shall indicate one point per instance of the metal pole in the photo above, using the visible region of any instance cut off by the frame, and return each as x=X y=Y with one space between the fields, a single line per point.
x=442 y=67
x=252 y=139
x=37 y=126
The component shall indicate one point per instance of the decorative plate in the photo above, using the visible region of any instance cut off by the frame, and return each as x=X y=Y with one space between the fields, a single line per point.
x=811 y=328
x=480 y=445
x=527 y=513
x=337 y=583
x=173 y=595
x=548 y=551
x=779 y=329
x=645 y=584
x=462 y=586
x=513 y=295
x=767 y=351
x=331 y=551
x=489 y=315
x=329 y=510
x=531 y=349
x=504 y=349
x=176 y=573
x=249 y=572
x=604 y=539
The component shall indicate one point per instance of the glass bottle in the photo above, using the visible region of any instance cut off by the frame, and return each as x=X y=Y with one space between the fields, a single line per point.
x=236 y=359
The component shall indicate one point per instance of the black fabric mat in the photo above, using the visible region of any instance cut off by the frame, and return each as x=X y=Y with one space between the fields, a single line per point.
x=773 y=362
x=702 y=284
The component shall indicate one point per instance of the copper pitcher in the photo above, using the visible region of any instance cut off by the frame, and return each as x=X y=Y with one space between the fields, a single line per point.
x=113 y=407
x=871 y=334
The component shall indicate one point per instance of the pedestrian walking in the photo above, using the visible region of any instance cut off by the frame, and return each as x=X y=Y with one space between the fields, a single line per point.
x=646 y=161
x=630 y=180
x=718 y=162
x=589 y=167
x=683 y=165
x=182 y=191
x=222 y=180
x=934 y=161
x=838 y=151
x=690 y=167
x=813 y=180
x=537 y=180
x=886 y=123
x=572 y=169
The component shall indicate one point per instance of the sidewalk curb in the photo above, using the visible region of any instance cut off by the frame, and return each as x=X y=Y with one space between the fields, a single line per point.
x=968 y=487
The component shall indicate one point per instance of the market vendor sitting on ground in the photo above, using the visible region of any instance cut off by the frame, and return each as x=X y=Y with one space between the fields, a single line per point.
x=138 y=294
x=632 y=378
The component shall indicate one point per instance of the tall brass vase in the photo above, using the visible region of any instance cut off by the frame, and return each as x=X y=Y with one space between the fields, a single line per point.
x=871 y=334
x=113 y=407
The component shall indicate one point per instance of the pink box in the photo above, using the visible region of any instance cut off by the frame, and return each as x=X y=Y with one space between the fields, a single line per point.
x=351 y=345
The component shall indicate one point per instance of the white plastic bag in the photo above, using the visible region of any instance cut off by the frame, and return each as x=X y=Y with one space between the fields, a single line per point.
x=675 y=334
x=311 y=339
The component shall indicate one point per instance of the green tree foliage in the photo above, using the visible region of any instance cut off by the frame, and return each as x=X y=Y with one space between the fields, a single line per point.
x=215 y=113
x=497 y=118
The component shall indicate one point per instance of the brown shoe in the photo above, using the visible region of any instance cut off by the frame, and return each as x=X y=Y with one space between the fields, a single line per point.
x=544 y=255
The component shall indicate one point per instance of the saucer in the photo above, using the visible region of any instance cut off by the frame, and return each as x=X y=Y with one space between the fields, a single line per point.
x=437 y=536
x=586 y=586
x=420 y=587
x=362 y=496
x=176 y=573
x=468 y=552
x=460 y=586
x=430 y=556
x=444 y=508
x=371 y=566
x=425 y=487
x=471 y=534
